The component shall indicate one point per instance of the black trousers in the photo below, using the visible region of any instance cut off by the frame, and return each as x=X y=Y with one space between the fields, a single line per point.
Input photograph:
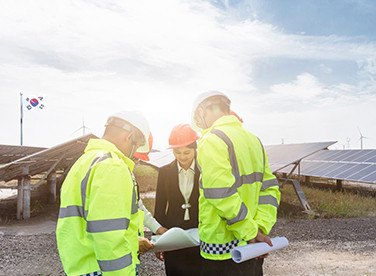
x=252 y=267
x=183 y=262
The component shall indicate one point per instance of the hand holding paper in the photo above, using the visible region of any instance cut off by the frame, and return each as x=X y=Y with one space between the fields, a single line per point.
x=144 y=245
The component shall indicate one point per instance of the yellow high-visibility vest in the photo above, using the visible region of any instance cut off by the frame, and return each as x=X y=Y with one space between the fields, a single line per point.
x=238 y=192
x=97 y=229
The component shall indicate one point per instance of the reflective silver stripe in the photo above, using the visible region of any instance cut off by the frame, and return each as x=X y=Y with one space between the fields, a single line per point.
x=263 y=156
x=86 y=178
x=200 y=178
x=134 y=201
x=217 y=193
x=251 y=178
x=134 y=209
x=116 y=264
x=269 y=183
x=241 y=215
x=268 y=199
x=71 y=211
x=96 y=226
x=79 y=211
x=231 y=154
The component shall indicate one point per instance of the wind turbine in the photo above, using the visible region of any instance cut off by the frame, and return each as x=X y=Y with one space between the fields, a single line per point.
x=83 y=127
x=361 y=139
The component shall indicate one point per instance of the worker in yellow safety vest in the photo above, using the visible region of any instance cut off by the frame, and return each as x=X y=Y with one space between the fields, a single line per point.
x=239 y=195
x=97 y=229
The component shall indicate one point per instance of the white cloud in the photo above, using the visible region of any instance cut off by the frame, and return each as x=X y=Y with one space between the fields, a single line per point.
x=304 y=89
x=93 y=58
x=306 y=110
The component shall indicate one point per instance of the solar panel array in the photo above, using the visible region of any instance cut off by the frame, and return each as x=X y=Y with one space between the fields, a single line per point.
x=353 y=165
x=281 y=156
x=10 y=153
x=40 y=162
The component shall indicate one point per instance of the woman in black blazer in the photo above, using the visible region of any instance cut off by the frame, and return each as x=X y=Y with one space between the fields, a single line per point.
x=176 y=203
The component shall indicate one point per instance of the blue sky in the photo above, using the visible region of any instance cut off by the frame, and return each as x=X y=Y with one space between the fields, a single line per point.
x=301 y=71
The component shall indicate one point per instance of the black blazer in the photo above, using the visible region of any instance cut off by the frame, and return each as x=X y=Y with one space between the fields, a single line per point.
x=168 y=201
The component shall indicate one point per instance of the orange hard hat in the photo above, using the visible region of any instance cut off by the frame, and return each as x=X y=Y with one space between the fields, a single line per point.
x=182 y=135
x=145 y=155
x=236 y=115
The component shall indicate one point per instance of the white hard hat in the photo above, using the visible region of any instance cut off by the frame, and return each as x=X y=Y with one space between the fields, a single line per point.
x=136 y=119
x=200 y=99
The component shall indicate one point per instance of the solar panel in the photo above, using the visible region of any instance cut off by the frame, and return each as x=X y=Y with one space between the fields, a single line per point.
x=353 y=165
x=342 y=167
x=321 y=155
x=364 y=155
x=370 y=178
x=283 y=155
x=339 y=156
x=354 y=169
x=65 y=154
x=312 y=167
x=10 y=153
x=327 y=168
x=279 y=156
x=372 y=159
x=352 y=155
x=363 y=173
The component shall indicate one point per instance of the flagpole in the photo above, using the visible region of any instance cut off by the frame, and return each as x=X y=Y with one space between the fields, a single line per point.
x=21 y=119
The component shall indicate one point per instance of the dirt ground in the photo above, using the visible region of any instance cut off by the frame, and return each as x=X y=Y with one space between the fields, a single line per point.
x=316 y=247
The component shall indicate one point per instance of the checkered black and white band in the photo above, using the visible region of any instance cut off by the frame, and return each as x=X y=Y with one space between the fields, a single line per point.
x=218 y=249
x=97 y=273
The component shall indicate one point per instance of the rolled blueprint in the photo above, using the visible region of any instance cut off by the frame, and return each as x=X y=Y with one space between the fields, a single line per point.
x=249 y=251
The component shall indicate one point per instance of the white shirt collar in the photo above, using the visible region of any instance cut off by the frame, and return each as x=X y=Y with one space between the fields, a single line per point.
x=192 y=167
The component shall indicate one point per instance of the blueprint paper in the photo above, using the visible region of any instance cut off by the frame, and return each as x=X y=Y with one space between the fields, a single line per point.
x=175 y=238
x=246 y=252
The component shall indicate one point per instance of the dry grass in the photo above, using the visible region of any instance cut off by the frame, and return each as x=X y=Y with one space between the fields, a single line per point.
x=327 y=203
x=146 y=177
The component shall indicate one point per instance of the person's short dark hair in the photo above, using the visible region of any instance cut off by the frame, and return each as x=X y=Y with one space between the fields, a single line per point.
x=192 y=145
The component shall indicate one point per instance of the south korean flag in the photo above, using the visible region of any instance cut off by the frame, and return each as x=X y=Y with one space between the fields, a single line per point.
x=35 y=103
